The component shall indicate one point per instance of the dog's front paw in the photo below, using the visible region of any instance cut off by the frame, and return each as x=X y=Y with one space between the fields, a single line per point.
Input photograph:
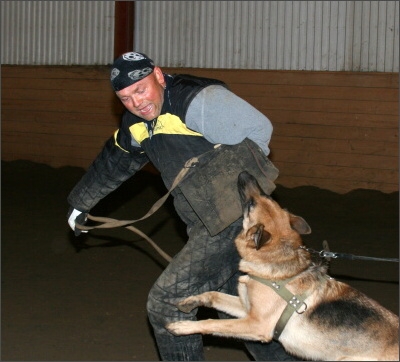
x=188 y=304
x=181 y=327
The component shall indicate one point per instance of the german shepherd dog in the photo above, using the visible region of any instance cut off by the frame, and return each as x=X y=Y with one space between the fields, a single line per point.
x=329 y=320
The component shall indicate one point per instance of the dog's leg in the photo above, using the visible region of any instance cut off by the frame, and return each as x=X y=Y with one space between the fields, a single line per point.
x=244 y=328
x=220 y=301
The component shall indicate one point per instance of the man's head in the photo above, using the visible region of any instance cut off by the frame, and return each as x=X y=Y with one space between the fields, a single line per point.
x=138 y=84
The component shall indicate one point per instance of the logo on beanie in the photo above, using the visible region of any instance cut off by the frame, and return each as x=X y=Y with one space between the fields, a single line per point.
x=130 y=68
x=139 y=73
x=132 y=56
x=114 y=73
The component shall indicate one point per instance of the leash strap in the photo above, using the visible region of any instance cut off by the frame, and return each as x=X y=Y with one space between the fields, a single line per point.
x=295 y=303
x=136 y=231
x=328 y=254
x=113 y=223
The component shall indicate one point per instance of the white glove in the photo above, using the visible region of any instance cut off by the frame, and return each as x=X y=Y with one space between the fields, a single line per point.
x=71 y=221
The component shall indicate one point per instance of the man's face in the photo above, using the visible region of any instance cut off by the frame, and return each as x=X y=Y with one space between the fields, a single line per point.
x=145 y=97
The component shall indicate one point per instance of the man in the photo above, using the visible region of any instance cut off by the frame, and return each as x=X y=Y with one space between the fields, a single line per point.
x=168 y=120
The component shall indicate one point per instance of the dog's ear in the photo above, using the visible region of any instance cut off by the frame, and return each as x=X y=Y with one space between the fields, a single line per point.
x=299 y=224
x=258 y=235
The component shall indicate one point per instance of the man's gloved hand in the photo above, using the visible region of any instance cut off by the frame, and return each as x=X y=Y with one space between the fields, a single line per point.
x=75 y=215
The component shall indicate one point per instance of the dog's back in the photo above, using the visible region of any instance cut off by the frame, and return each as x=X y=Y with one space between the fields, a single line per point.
x=344 y=324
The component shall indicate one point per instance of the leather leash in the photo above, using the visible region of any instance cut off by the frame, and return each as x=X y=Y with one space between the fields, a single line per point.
x=113 y=223
x=108 y=223
x=329 y=254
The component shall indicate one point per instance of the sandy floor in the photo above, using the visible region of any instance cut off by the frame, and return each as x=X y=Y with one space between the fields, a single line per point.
x=83 y=299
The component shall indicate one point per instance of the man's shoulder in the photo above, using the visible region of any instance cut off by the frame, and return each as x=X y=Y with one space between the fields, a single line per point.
x=192 y=80
x=185 y=87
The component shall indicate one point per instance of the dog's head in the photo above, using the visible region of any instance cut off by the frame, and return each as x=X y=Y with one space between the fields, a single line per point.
x=267 y=228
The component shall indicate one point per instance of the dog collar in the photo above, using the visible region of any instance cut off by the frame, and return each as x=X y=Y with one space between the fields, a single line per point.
x=295 y=303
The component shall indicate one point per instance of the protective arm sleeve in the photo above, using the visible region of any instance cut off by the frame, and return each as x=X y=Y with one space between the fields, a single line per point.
x=223 y=117
x=108 y=171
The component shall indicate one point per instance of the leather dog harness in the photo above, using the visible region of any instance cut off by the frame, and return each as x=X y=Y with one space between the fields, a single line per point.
x=295 y=303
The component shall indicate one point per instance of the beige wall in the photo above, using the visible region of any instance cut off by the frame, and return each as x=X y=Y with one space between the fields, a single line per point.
x=333 y=130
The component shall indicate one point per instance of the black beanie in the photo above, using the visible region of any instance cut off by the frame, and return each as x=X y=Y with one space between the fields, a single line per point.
x=130 y=68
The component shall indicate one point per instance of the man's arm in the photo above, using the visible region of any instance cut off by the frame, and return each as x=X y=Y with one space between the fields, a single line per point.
x=117 y=161
x=223 y=117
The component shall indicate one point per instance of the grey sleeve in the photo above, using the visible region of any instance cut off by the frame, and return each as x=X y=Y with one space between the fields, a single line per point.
x=223 y=117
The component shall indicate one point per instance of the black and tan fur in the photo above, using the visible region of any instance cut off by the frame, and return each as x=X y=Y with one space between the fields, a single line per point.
x=340 y=322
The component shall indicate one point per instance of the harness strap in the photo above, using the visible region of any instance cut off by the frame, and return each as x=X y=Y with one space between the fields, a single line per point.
x=294 y=302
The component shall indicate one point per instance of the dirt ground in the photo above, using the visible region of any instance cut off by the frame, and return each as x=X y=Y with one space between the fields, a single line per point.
x=83 y=299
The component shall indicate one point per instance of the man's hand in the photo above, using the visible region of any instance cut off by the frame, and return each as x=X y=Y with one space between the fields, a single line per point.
x=74 y=216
